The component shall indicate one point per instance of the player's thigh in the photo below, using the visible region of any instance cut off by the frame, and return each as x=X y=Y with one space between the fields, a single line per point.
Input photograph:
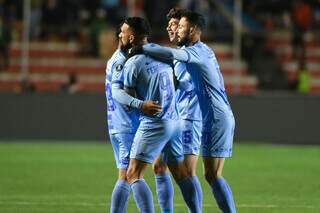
x=191 y=136
x=218 y=141
x=149 y=140
x=173 y=150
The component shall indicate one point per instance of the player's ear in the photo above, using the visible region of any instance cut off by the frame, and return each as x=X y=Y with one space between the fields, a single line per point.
x=192 y=30
x=131 y=38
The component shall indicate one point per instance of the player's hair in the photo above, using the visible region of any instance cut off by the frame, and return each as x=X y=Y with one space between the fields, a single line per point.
x=139 y=26
x=194 y=18
x=175 y=13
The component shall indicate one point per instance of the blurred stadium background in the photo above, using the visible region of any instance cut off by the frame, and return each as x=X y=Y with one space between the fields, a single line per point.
x=54 y=155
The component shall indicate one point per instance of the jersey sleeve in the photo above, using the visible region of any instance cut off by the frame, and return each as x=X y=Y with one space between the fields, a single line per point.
x=188 y=54
x=124 y=98
x=117 y=74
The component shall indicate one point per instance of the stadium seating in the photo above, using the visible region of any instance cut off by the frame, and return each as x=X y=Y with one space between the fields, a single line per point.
x=280 y=41
x=52 y=64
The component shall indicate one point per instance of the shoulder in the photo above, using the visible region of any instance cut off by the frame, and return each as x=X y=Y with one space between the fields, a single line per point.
x=201 y=48
x=118 y=56
x=151 y=45
x=136 y=60
x=204 y=47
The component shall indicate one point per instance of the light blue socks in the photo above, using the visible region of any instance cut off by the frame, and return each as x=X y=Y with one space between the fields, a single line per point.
x=190 y=195
x=165 y=192
x=196 y=181
x=143 y=196
x=223 y=195
x=119 y=198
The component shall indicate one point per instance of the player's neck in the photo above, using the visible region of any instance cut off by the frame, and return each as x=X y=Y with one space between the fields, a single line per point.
x=194 y=39
x=142 y=42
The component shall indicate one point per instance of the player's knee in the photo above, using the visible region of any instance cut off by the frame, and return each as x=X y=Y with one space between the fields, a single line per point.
x=159 y=168
x=191 y=172
x=131 y=175
x=122 y=174
x=178 y=170
x=211 y=175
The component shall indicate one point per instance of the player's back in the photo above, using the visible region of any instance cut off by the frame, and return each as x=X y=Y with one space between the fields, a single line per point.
x=152 y=80
x=120 y=118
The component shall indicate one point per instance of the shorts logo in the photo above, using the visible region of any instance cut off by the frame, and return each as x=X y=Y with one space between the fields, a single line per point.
x=119 y=67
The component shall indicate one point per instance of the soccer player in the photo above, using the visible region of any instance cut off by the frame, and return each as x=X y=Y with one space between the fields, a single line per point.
x=122 y=125
x=217 y=116
x=190 y=115
x=152 y=80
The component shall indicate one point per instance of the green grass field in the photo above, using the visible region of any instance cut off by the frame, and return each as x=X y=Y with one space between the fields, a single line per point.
x=74 y=178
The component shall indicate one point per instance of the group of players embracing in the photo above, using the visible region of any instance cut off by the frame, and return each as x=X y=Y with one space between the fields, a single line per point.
x=151 y=122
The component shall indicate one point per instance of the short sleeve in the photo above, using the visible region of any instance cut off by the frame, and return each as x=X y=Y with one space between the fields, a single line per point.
x=118 y=72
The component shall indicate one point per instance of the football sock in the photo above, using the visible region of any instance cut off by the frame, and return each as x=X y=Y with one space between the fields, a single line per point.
x=190 y=194
x=143 y=196
x=119 y=198
x=196 y=181
x=165 y=192
x=223 y=195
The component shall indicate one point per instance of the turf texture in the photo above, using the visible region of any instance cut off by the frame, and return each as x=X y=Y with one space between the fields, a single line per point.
x=42 y=176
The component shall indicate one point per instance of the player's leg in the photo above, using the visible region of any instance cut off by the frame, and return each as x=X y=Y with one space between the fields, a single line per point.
x=173 y=155
x=120 y=193
x=216 y=146
x=141 y=191
x=190 y=162
x=146 y=147
x=191 y=140
x=164 y=186
x=186 y=184
x=121 y=144
x=221 y=190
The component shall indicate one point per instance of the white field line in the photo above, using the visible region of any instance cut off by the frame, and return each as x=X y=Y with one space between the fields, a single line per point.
x=263 y=206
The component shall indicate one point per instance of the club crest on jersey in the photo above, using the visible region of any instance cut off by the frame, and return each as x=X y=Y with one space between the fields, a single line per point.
x=119 y=67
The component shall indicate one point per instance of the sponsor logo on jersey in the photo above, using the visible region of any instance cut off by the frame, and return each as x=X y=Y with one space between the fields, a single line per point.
x=119 y=67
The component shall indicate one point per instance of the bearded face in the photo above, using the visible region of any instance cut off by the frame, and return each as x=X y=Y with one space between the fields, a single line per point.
x=124 y=37
x=183 y=32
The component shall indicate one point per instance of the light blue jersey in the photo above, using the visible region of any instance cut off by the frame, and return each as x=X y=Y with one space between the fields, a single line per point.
x=189 y=110
x=204 y=69
x=218 y=121
x=152 y=80
x=186 y=97
x=120 y=118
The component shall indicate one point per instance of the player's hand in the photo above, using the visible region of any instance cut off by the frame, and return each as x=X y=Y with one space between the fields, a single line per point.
x=135 y=51
x=151 y=108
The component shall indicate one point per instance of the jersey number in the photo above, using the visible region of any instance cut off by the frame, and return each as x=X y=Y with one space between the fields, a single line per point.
x=110 y=101
x=187 y=136
x=166 y=86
